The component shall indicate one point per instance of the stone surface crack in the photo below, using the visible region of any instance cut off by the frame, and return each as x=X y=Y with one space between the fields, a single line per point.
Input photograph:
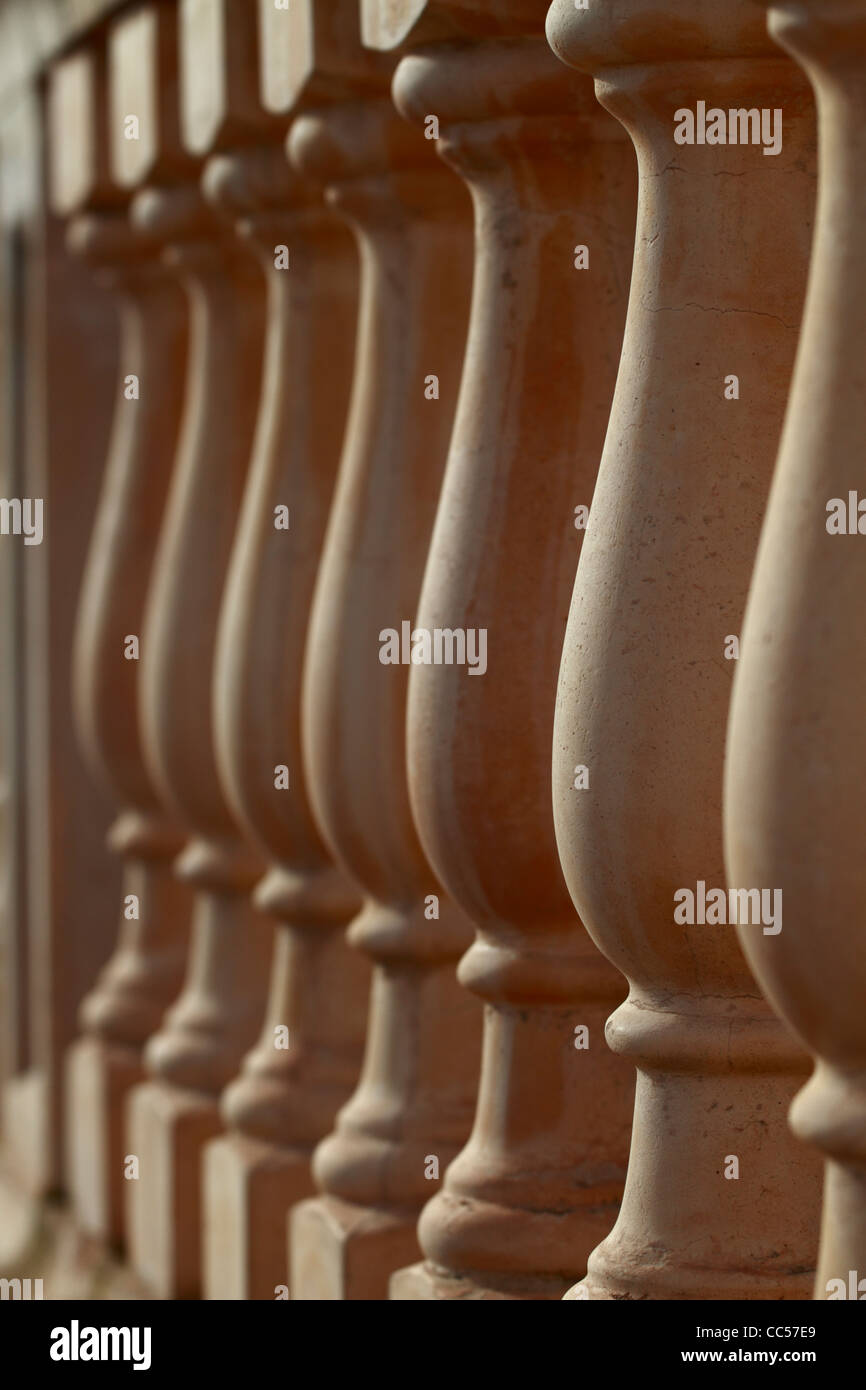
x=712 y=309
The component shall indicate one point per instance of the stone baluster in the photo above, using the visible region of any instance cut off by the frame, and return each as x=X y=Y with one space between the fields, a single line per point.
x=59 y=369
x=128 y=1000
x=539 y=1182
x=307 y=1060
x=215 y=1020
x=718 y=1202
x=796 y=749
x=412 y=1107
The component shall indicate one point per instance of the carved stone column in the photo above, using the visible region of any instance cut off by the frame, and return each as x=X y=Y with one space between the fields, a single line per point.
x=58 y=363
x=306 y=1062
x=205 y=1034
x=540 y=1179
x=144 y=973
x=796 y=749
x=411 y=1110
x=718 y=1202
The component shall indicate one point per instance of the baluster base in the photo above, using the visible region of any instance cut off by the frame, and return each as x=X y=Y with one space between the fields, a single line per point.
x=424 y=1283
x=340 y=1252
x=167 y=1130
x=249 y=1190
x=27 y=1131
x=665 y=1244
x=98 y=1079
x=843 y=1233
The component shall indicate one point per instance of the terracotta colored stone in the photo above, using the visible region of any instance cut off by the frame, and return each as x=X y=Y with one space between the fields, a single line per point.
x=412 y=1107
x=215 y=1020
x=722 y=248
x=406 y=783
x=58 y=363
x=539 y=1182
x=796 y=753
x=290 y=1088
x=144 y=973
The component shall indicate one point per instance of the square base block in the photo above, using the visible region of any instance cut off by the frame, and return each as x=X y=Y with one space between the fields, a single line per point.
x=28 y=1133
x=420 y=1283
x=21 y=1220
x=98 y=1078
x=167 y=1130
x=249 y=1189
x=338 y=1251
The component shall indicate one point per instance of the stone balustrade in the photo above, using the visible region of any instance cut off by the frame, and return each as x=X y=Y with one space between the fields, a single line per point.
x=650 y=652
x=204 y=1035
x=144 y=973
x=540 y=1178
x=795 y=743
x=429 y=742
x=411 y=1109
x=308 y=1055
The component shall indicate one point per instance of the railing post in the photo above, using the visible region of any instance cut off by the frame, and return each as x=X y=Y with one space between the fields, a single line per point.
x=215 y=1020
x=539 y=1182
x=718 y=1202
x=796 y=743
x=127 y=1002
x=411 y=1109
x=59 y=364
x=308 y=1056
